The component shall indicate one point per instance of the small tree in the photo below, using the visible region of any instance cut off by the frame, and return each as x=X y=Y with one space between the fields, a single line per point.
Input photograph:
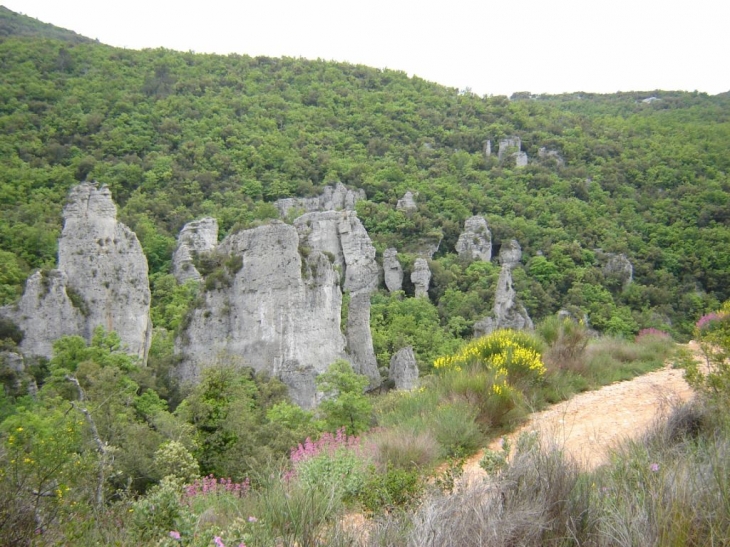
x=712 y=332
x=346 y=404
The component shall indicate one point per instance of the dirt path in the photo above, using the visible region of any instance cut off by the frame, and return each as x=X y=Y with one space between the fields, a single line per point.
x=587 y=426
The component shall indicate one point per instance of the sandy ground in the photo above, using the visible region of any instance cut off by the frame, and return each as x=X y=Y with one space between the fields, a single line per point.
x=587 y=426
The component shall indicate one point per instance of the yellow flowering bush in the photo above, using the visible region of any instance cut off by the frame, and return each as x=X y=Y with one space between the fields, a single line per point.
x=509 y=353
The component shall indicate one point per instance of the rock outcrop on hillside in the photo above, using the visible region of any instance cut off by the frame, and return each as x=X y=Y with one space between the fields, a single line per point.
x=333 y=198
x=407 y=203
x=278 y=311
x=392 y=270
x=196 y=237
x=101 y=280
x=404 y=369
x=508 y=311
x=421 y=277
x=508 y=145
x=46 y=304
x=619 y=267
x=342 y=236
x=475 y=242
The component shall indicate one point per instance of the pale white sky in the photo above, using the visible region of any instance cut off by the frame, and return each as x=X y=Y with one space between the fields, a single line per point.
x=493 y=47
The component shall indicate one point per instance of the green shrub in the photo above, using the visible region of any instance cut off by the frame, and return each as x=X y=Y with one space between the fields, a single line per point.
x=161 y=511
x=567 y=341
x=454 y=426
x=394 y=488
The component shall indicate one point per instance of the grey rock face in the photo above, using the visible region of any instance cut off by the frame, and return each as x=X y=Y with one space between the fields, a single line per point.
x=106 y=267
x=197 y=237
x=475 y=242
x=46 y=313
x=428 y=245
x=510 y=253
x=520 y=159
x=360 y=339
x=342 y=236
x=392 y=270
x=488 y=149
x=333 y=198
x=507 y=144
x=421 y=277
x=619 y=266
x=404 y=369
x=301 y=383
x=279 y=312
x=407 y=203
x=508 y=311
x=101 y=280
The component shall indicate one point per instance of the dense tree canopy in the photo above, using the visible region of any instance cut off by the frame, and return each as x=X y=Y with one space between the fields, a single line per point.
x=179 y=135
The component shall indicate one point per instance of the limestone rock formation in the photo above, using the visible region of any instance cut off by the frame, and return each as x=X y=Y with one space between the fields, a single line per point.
x=404 y=369
x=279 y=311
x=421 y=277
x=619 y=267
x=520 y=159
x=488 y=149
x=106 y=267
x=505 y=145
x=508 y=311
x=427 y=245
x=510 y=253
x=407 y=203
x=46 y=313
x=475 y=242
x=197 y=237
x=101 y=280
x=342 y=236
x=392 y=270
x=333 y=198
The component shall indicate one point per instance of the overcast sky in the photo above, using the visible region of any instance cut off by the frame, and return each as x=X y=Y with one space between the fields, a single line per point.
x=495 y=48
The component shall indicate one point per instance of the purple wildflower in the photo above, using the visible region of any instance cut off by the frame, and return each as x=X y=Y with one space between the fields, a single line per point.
x=174 y=534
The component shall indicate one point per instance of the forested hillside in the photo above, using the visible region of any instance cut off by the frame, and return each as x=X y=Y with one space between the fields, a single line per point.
x=102 y=447
x=180 y=135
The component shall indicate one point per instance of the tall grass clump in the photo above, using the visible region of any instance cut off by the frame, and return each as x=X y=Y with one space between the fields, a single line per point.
x=567 y=340
x=403 y=448
x=611 y=360
x=527 y=504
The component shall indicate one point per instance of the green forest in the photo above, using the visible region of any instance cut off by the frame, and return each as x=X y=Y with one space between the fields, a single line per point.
x=180 y=135
x=103 y=450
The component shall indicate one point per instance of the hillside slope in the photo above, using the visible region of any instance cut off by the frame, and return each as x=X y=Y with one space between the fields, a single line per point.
x=180 y=135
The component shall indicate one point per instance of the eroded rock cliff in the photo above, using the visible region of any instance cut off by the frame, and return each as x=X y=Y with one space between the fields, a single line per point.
x=271 y=307
x=508 y=311
x=341 y=235
x=475 y=242
x=392 y=270
x=101 y=280
x=197 y=237
x=333 y=198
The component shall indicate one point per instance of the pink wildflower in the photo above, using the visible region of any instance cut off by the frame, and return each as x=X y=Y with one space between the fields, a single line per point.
x=705 y=320
x=253 y=519
x=654 y=467
x=219 y=541
x=174 y=534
